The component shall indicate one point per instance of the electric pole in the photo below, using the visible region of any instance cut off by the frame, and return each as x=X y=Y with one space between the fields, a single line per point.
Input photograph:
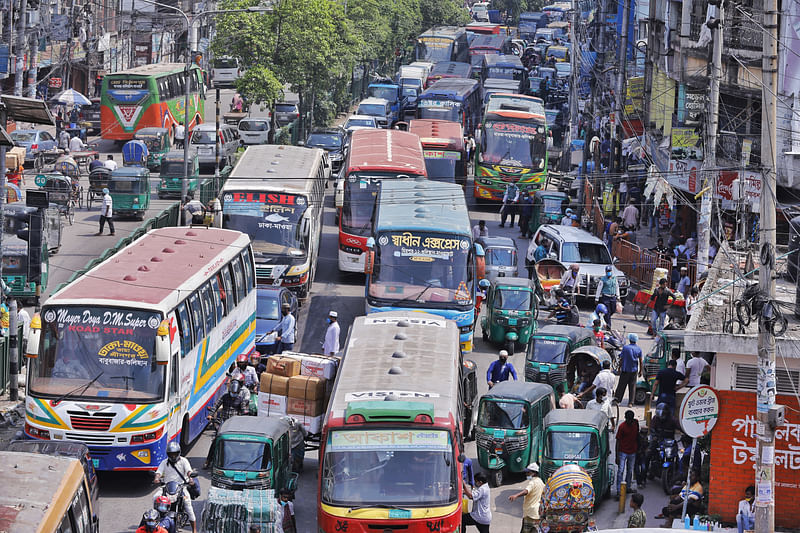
x=573 y=98
x=616 y=131
x=19 y=48
x=710 y=162
x=766 y=389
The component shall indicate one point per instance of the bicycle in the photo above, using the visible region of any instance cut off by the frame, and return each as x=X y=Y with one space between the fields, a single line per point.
x=754 y=304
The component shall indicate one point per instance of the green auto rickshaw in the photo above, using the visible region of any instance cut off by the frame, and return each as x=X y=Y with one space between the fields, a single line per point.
x=171 y=183
x=509 y=318
x=549 y=352
x=158 y=144
x=253 y=452
x=130 y=191
x=667 y=341
x=508 y=432
x=578 y=436
x=548 y=208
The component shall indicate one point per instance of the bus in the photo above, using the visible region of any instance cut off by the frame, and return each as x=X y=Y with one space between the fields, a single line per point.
x=483 y=45
x=454 y=99
x=442 y=43
x=443 y=148
x=276 y=195
x=150 y=96
x=393 y=434
x=423 y=261
x=127 y=357
x=448 y=69
x=511 y=148
x=505 y=67
x=374 y=155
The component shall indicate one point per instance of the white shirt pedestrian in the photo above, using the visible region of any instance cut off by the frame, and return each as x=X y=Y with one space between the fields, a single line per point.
x=695 y=368
x=25 y=319
x=606 y=379
x=108 y=206
x=76 y=145
x=331 y=344
x=180 y=132
x=110 y=164
x=481 y=510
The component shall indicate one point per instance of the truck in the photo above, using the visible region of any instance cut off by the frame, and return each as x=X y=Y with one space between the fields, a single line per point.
x=391 y=92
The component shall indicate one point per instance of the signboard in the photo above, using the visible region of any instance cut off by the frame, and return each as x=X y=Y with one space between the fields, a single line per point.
x=699 y=411
x=684 y=174
x=635 y=95
x=389 y=439
x=694 y=103
x=686 y=143
x=54 y=83
x=751 y=186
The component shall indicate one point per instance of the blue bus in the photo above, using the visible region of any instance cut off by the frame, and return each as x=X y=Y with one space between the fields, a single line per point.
x=504 y=67
x=424 y=262
x=453 y=99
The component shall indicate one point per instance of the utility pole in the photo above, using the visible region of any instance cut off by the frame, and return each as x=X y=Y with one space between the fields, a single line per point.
x=19 y=48
x=765 y=397
x=573 y=102
x=710 y=162
x=620 y=89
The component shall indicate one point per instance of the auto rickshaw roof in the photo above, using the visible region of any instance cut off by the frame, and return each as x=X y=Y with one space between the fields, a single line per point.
x=597 y=353
x=551 y=194
x=497 y=242
x=576 y=417
x=262 y=426
x=519 y=390
x=177 y=155
x=573 y=333
x=512 y=282
x=145 y=133
x=129 y=172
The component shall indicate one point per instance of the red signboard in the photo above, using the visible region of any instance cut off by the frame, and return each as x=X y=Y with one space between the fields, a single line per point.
x=54 y=83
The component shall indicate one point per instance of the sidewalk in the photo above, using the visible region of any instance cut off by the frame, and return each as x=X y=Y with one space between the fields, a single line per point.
x=12 y=417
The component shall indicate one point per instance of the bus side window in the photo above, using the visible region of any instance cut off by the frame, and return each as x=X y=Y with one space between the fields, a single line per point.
x=208 y=307
x=174 y=383
x=80 y=510
x=248 y=269
x=227 y=287
x=185 y=327
x=216 y=295
x=238 y=279
x=197 y=318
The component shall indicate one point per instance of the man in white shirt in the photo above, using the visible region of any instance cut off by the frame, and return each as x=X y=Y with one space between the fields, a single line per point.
x=695 y=368
x=601 y=403
x=63 y=140
x=481 y=514
x=745 y=518
x=110 y=164
x=180 y=135
x=630 y=215
x=76 y=144
x=106 y=213
x=571 y=280
x=286 y=329
x=567 y=218
x=331 y=344
x=605 y=379
x=480 y=230
x=176 y=468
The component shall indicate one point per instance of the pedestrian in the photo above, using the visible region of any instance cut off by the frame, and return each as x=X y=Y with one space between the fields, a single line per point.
x=567 y=219
x=660 y=249
x=24 y=318
x=608 y=293
x=285 y=329
x=631 y=366
x=63 y=139
x=691 y=303
x=500 y=369
x=532 y=494
x=180 y=135
x=694 y=369
x=106 y=213
x=331 y=345
x=693 y=497
x=668 y=380
x=468 y=472
x=602 y=404
x=289 y=524
x=110 y=164
x=541 y=250
x=638 y=518
x=623 y=190
x=626 y=448
x=746 y=517
x=684 y=282
x=570 y=282
x=660 y=297
x=611 y=231
x=567 y=401
x=536 y=252
x=96 y=163
x=195 y=209
x=510 y=199
x=605 y=379
x=76 y=144
x=481 y=514
x=630 y=215
x=675 y=233
x=525 y=215
x=480 y=230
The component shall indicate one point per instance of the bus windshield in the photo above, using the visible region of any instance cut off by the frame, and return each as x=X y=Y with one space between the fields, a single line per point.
x=440 y=109
x=505 y=415
x=571 y=445
x=422 y=267
x=359 y=204
x=514 y=144
x=434 y=49
x=386 y=467
x=271 y=219
x=98 y=353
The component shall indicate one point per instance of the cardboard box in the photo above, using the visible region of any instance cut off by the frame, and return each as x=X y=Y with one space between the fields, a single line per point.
x=298 y=406
x=321 y=366
x=312 y=423
x=274 y=384
x=271 y=404
x=307 y=387
x=283 y=366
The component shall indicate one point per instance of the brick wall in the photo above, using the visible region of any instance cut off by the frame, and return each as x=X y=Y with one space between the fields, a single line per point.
x=733 y=458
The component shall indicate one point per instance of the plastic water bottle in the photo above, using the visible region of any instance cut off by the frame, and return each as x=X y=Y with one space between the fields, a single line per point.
x=696 y=523
x=686 y=522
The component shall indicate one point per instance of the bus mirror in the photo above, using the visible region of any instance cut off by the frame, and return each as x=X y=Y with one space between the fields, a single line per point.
x=370 y=259
x=478 y=137
x=305 y=227
x=34 y=335
x=162 y=343
x=371 y=243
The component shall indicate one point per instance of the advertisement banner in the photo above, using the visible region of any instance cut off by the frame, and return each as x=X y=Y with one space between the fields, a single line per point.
x=789 y=54
x=751 y=186
x=635 y=95
x=686 y=144
x=684 y=174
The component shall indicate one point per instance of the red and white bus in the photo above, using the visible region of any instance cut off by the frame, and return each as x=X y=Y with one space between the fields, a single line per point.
x=374 y=155
x=392 y=437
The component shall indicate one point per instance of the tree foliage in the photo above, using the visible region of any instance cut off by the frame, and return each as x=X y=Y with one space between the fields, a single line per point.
x=259 y=85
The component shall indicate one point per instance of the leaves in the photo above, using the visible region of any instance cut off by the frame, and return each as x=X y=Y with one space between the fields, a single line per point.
x=259 y=85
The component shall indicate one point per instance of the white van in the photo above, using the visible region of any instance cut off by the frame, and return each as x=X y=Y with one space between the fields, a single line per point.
x=225 y=71
x=254 y=130
x=203 y=144
x=480 y=11
x=379 y=108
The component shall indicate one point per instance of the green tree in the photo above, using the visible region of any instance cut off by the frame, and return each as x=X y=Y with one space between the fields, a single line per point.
x=259 y=85
x=447 y=12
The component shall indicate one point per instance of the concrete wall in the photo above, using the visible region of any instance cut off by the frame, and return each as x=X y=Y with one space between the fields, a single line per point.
x=723 y=375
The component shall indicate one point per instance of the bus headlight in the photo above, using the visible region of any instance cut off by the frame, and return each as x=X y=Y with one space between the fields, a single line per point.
x=36 y=432
x=143 y=438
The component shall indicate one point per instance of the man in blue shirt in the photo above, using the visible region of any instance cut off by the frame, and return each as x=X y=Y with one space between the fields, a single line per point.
x=468 y=472
x=631 y=367
x=499 y=370
x=286 y=329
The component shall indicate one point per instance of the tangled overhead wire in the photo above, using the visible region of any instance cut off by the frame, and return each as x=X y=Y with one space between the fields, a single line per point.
x=754 y=303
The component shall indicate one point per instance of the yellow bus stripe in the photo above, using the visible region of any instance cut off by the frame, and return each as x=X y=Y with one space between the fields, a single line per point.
x=375 y=513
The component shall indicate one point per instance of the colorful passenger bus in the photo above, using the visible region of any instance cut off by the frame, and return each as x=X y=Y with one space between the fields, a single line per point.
x=422 y=256
x=443 y=43
x=276 y=195
x=126 y=358
x=511 y=148
x=448 y=69
x=454 y=99
x=150 y=96
x=482 y=45
x=392 y=437
x=374 y=155
x=443 y=149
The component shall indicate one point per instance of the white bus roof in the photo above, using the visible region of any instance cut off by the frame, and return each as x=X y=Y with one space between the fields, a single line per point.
x=289 y=169
x=157 y=270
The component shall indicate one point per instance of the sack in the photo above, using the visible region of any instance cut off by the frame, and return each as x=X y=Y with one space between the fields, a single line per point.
x=619 y=307
x=194 y=489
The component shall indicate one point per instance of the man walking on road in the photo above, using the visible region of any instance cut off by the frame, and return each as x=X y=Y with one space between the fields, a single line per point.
x=331 y=344
x=286 y=329
x=631 y=362
x=510 y=199
x=525 y=215
x=608 y=293
x=106 y=213
x=661 y=296
x=627 y=446
x=180 y=135
x=500 y=369
x=481 y=514
x=533 y=499
x=480 y=230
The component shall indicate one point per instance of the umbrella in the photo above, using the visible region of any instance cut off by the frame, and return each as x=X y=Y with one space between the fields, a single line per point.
x=71 y=97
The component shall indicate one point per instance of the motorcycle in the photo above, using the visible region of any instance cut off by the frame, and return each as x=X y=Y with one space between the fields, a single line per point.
x=177 y=505
x=665 y=461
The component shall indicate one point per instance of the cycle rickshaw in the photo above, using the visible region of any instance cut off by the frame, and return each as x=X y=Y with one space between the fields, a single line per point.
x=98 y=180
x=60 y=192
x=71 y=170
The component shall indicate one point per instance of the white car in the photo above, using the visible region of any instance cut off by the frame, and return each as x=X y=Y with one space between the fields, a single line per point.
x=359 y=122
x=254 y=130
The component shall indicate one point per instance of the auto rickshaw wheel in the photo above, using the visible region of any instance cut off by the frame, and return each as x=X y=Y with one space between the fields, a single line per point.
x=510 y=345
x=640 y=397
x=495 y=477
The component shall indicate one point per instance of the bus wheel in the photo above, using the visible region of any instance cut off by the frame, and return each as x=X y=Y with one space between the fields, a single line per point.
x=185 y=442
x=496 y=477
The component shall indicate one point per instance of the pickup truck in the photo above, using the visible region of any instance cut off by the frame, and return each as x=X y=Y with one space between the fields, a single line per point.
x=392 y=93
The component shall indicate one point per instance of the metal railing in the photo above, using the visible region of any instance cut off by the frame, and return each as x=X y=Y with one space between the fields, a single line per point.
x=638 y=264
x=4 y=348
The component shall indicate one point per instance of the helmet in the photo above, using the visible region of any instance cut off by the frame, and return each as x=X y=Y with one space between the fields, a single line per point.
x=236 y=385
x=172 y=489
x=161 y=504
x=255 y=358
x=662 y=410
x=150 y=519
x=601 y=309
x=559 y=292
x=173 y=451
x=242 y=358
x=484 y=284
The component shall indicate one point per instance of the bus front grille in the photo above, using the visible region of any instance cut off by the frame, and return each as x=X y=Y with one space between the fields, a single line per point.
x=89 y=440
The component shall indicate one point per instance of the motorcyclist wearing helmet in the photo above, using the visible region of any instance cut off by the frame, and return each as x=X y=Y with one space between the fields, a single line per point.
x=483 y=288
x=176 y=468
x=246 y=371
x=150 y=523
x=166 y=518
x=662 y=426
x=236 y=401
x=599 y=313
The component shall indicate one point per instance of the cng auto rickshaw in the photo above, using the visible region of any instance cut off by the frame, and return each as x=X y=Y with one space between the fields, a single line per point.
x=549 y=353
x=509 y=318
x=568 y=501
x=578 y=436
x=158 y=144
x=130 y=191
x=501 y=255
x=171 y=183
x=548 y=208
x=584 y=365
x=508 y=432
x=657 y=358
x=253 y=452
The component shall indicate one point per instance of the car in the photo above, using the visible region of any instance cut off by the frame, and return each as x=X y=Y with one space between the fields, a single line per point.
x=202 y=143
x=269 y=300
x=380 y=108
x=359 y=122
x=333 y=141
x=254 y=130
x=286 y=113
x=570 y=245
x=34 y=141
x=91 y=114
